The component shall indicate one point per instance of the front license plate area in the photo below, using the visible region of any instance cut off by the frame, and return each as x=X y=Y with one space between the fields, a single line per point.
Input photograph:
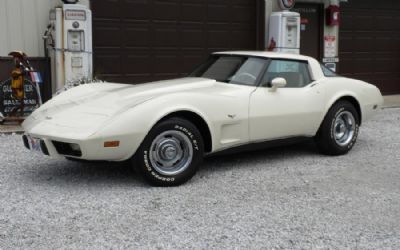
x=34 y=144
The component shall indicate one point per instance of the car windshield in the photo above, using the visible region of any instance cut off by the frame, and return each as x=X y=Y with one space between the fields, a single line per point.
x=232 y=69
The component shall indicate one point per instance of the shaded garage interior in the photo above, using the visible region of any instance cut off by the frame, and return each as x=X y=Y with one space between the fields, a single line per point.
x=138 y=41
x=370 y=42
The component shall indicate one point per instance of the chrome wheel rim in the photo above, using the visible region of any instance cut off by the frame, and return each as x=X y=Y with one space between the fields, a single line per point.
x=171 y=153
x=344 y=128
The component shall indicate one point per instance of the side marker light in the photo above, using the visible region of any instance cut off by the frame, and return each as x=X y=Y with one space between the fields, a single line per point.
x=111 y=144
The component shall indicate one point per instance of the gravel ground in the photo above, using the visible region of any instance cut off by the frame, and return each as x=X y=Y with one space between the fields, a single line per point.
x=283 y=198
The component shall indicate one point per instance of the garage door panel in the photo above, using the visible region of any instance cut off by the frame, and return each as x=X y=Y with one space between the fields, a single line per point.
x=166 y=10
x=243 y=13
x=242 y=39
x=356 y=18
x=385 y=5
x=363 y=42
x=346 y=44
x=165 y=63
x=191 y=60
x=138 y=40
x=346 y=63
x=137 y=64
x=386 y=44
x=243 y=2
x=165 y=36
x=109 y=9
x=192 y=37
x=193 y=12
x=386 y=64
x=107 y=34
x=369 y=43
x=110 y=64
x=216 y=39
x=134 y=9
x=217 y=13
x=220 y=2
x=363 y=65
x=361 y=4
x=136 y=35
x=385 y=21
x=389 y=85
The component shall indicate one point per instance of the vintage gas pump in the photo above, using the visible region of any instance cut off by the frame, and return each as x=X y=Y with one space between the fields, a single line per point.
x=69 y=41
x=284 y=32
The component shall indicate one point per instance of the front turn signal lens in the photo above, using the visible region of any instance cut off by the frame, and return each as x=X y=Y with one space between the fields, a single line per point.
x=111 y=144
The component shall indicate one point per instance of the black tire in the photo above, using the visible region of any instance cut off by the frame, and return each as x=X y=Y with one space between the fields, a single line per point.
x=181 y=141
x=328 y=137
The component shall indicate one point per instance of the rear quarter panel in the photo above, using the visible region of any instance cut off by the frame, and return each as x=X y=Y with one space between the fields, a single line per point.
x=367 y=95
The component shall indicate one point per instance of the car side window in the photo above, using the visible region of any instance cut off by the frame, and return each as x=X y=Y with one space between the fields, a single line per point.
x=249 y=72
x=327 y=72
x=295 y=73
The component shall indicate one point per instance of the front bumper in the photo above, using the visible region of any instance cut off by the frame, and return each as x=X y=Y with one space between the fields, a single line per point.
x=42 y=145
x=90 y=137
x=54 y=148
x=91 y=148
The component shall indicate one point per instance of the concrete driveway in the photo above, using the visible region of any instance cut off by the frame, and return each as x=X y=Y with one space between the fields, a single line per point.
x=283 y=198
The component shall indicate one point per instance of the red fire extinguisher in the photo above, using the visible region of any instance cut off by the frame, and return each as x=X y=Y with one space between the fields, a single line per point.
x=333 y=15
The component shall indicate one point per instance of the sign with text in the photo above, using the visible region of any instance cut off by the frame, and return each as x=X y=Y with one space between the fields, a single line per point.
x=330 y=46
x=10 y=106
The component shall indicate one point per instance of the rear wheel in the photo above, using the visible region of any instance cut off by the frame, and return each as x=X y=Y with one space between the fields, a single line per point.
x=171 y=153
x=339 y=130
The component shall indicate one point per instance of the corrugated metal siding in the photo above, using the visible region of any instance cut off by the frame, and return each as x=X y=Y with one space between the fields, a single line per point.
x=23 y=23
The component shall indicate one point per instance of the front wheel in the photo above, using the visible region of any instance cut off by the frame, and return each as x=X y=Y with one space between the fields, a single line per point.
x=171 y=153
x=339 y=130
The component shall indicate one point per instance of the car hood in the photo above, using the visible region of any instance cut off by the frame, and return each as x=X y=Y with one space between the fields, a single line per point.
x=88 y=106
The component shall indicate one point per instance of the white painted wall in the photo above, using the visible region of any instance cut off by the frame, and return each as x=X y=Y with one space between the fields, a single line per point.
x=23 y=23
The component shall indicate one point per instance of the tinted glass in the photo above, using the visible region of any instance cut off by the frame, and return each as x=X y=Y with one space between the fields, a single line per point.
x=327 y=72
x=223 y=68
x=232 y=69
x=295 y=73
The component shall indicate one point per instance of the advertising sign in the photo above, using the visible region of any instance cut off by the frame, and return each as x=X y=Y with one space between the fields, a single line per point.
x=330 y=46
x=10 y=106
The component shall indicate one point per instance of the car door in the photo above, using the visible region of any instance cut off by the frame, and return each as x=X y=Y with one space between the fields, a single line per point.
x=294 y=110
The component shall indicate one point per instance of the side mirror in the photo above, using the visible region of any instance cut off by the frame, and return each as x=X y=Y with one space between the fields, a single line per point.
x=278 y=82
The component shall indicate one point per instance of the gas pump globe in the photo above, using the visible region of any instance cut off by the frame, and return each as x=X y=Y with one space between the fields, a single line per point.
x=69 y=42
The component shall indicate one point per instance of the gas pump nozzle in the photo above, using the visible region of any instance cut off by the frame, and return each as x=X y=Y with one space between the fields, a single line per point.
x=47 y=32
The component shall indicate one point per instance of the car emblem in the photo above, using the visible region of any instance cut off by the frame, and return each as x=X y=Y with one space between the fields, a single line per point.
x=49 y=117
x=232 y=116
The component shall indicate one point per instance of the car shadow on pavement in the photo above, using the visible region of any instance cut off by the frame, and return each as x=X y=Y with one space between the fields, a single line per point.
x=121 y=173
x=265 y=154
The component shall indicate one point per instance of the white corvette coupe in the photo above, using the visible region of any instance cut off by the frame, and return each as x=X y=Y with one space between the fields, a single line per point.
x=235 y=98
